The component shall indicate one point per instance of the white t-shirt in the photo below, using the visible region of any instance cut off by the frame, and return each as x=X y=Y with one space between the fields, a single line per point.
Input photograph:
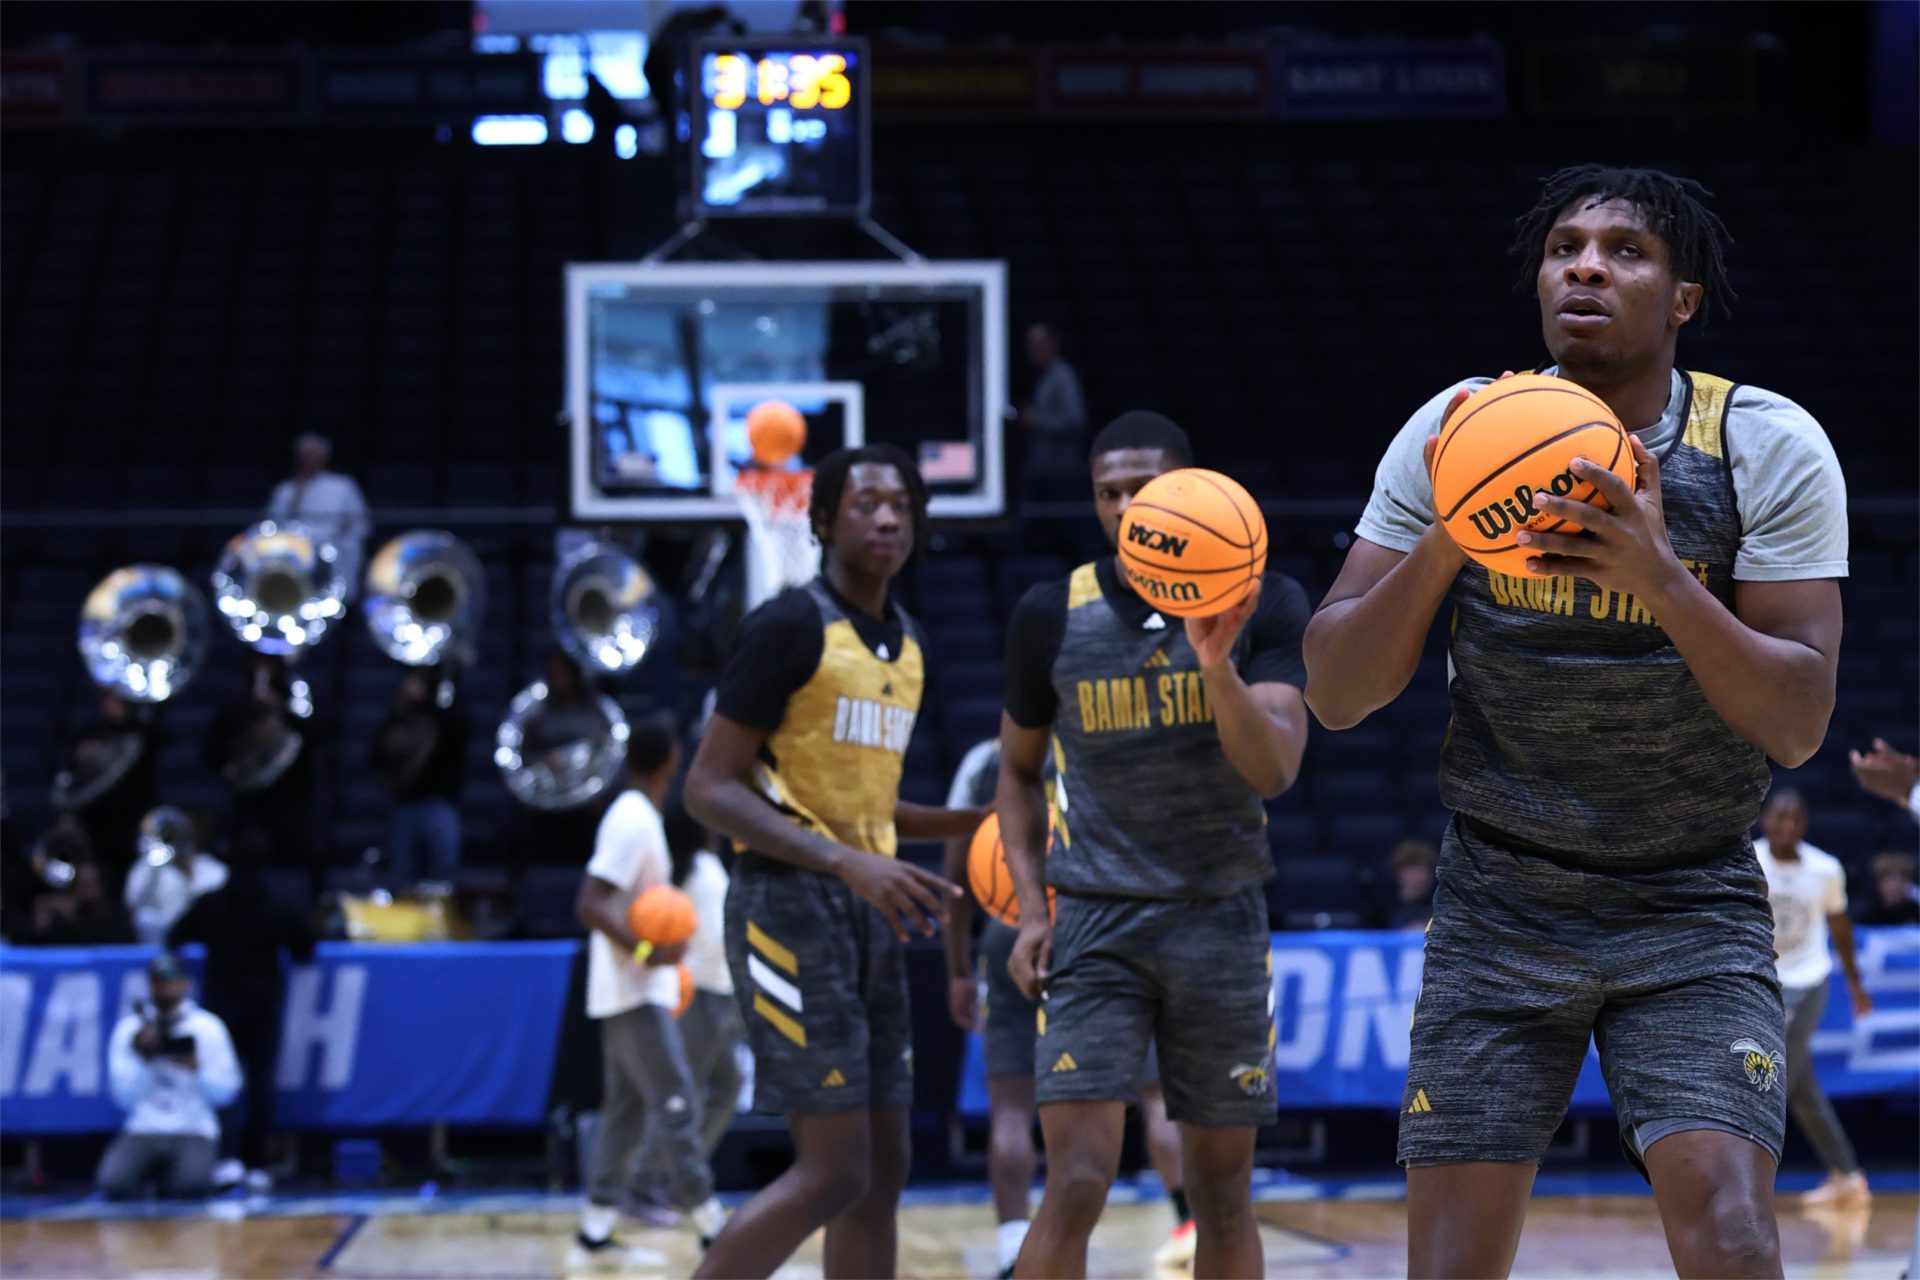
x=629 y=853
x=707 y=956
x=1804 y=894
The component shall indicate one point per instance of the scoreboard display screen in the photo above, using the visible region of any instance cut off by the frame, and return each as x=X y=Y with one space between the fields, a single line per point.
x=779 y=128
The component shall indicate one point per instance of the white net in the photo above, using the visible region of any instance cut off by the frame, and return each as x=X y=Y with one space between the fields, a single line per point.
x=781 y=551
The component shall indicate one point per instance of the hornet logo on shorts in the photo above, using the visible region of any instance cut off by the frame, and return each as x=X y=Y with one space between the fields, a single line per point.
x=1762 y=1067
x=1254 y=1081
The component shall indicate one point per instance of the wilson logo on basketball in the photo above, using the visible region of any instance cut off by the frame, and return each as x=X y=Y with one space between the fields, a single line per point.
x=1497 y=518
x=1157 y=540
x=1159 y=589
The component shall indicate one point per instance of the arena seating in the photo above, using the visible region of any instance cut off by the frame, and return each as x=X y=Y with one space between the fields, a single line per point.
x=169 y=326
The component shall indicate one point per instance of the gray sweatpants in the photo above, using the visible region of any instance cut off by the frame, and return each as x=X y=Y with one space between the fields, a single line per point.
x=1806 y=1101
x=181 y=1163
x=650 y=1115
x=709 y=1029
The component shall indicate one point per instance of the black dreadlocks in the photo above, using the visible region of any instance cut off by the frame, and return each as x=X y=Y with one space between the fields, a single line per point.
x=1675 y=208
x=830 y=481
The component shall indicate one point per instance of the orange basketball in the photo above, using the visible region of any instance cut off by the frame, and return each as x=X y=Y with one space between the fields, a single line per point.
x=1193 y=543
x=987 y=873
x=1510 y=440
x=775 y=432
x=686 y=990
x=662 y=915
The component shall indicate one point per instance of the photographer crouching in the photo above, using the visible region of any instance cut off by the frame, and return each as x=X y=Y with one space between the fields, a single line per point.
x=171 y=1064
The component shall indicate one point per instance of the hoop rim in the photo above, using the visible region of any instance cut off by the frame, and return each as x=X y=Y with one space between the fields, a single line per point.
x=780 y=492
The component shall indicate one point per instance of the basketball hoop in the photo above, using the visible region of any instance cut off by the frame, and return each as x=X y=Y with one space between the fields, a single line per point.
x=781 y=549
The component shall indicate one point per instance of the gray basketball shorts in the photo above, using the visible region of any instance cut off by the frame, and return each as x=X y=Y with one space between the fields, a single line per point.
x=1670 y=973
x=822 y=986
x=1007 y=1028
x=1193 y=977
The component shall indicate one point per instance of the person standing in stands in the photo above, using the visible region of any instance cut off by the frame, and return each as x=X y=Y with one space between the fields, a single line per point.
x=110 y=778
x=1055 y=419
x=327 y=503
x=420 y=756
x=248 y=935
x=1896 y=891
x=1808 y=889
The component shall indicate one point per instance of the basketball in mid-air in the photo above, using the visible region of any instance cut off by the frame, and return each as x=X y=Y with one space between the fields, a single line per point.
x=1193 y=543
x=662 y=915
x=987 y=873
x=775 y=432
x=1510 y=440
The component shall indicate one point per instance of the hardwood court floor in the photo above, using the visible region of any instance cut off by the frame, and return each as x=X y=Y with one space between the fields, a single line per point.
x=523 y=1237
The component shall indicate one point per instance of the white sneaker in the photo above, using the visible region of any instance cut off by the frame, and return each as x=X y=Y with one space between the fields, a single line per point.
x=709 y=1219
x=1839 y=1189
x=1176 y=1254
x=259 y=1182
x=612 y=1255
x=228 y=1173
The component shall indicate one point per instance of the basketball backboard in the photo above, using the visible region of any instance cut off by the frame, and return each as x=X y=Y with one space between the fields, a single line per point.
x=663 y=362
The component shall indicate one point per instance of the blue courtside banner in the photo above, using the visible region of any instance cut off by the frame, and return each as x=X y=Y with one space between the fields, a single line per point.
x=465 y=1033
x=373 y=1035
x=1344 y=1000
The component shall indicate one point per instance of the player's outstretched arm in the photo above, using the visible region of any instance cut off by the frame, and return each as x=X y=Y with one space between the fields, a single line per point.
x=717 y=794
x=1768 y=666
x=1021 y=800
x=1364 y=642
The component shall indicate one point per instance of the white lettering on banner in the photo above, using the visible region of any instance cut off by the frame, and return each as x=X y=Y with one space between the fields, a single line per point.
x=1302 y=1040
x=68 y=1046
x=335 y=1031
x=1369 y=1004
x=16 y=1000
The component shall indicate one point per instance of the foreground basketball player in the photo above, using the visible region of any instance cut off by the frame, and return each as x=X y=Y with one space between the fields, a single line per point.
x=800 y=765
x=1608 y=753
x=1165 y=737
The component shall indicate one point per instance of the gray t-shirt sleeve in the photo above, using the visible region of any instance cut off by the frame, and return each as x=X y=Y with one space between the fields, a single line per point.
x=1401 y=507
x=1791 y=495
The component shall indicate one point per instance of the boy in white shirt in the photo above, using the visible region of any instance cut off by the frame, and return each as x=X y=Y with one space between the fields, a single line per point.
x=1808 y=889
x=648 y=1101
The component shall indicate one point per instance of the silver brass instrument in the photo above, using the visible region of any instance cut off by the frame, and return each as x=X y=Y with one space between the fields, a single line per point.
x=166 y=836
x=279 y=587
x=143 y=632
x=425 y=597
x=269 y=745
x=557 y=756
x=603 y=611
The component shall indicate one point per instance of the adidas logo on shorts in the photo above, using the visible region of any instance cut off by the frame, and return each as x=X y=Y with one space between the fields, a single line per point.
x=834 y=1080
x=1064 y=1062
x=1419 y=1103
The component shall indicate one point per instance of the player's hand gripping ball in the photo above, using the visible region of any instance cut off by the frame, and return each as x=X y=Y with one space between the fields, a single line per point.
x=1193 y=543
x=987 y=873
x=662 y=915
x=1509 y=441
